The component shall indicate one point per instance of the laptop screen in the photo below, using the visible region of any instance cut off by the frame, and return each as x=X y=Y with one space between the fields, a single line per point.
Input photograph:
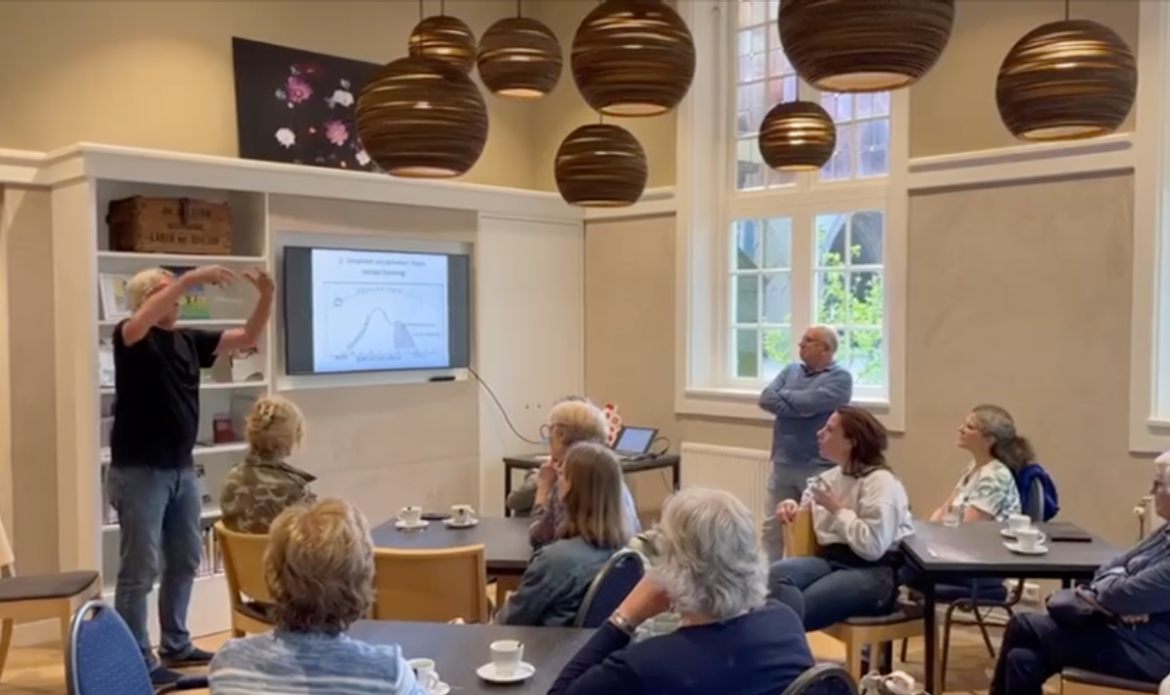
x=635 y=440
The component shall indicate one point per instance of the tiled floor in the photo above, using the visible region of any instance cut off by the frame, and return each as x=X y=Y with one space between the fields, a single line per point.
x=38 y=670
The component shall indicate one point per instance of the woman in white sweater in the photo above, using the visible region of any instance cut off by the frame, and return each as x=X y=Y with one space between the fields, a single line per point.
x=860 y=514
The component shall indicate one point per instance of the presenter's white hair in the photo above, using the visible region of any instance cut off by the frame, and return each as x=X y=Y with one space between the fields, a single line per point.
x=709 y=557
x=143 y=284
x=578 y=421
x=1162 y=468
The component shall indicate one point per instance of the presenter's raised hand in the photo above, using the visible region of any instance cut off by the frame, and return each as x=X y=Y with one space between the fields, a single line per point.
x=208 y=274
x=261 y=280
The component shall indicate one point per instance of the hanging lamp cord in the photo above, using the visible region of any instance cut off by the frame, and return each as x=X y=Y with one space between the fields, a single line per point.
x=442 y=8
x=422 y=10
x=519 y=8
x=1066 y=9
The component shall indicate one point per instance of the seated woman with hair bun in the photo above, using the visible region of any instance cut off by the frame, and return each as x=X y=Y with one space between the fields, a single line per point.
x=263 y=485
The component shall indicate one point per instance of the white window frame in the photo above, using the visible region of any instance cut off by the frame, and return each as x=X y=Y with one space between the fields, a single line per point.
x=707 y=207
x=1150 y=322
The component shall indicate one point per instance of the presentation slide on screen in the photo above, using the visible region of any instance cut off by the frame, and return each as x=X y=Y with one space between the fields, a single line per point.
x=379 y=310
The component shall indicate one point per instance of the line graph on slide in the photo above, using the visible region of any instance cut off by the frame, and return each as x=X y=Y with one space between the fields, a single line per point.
x=385 y=324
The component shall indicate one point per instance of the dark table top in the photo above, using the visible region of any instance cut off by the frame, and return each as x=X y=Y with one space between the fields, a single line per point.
x=977 y=549
x=650 y=463
x=458 y=650
x=505 y=540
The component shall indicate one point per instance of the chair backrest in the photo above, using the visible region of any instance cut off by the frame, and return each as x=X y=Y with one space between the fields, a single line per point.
x=1035 y=500
x=102 y=656
x=243 y=563
x=612 y=584
x=430 y=585
x=800 y=539
x=823 y=679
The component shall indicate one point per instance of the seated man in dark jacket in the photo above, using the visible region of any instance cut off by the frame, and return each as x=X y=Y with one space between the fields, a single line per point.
x=1118 y=625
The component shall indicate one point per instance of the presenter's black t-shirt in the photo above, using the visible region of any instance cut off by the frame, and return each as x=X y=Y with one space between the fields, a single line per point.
x=156 y=396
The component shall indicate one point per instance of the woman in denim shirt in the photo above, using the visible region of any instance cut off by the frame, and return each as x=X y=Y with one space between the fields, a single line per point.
x=589 y=486
x=1118 y=625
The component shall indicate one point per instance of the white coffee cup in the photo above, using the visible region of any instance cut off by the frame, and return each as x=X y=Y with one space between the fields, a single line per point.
x=1019 y=522
x=1029 y=538
x=506 y=656
x=462 y=514
x=425 y=673
x=410 y=515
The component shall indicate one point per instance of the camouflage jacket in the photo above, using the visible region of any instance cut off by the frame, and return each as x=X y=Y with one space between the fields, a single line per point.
x=257 y=491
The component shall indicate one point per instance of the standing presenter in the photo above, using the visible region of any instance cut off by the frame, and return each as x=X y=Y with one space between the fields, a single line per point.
x=152 y=483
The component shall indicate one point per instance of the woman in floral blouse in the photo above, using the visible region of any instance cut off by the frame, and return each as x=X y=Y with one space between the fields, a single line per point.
x=987 y=491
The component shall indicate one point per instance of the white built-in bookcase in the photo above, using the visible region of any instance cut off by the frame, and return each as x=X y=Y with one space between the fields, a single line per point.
x=83 y=180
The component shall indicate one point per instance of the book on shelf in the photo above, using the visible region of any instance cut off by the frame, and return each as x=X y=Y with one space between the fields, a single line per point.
x=193 y=304
x=106 y=363
x=109 y=516
x=112 y=290
x=211 y=562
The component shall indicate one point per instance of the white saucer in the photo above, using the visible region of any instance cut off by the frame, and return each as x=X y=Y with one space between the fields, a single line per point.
x=1007 y=533
x=450 y=523
x=1017 y=549
x=488 y=672
x=440 y=689
x=403 y=526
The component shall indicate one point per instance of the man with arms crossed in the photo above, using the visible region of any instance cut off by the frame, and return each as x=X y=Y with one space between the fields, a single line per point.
x=152 y=481
x=802 y=397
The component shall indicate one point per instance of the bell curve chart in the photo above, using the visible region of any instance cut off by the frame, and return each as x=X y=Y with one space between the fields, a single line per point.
x=382 y=323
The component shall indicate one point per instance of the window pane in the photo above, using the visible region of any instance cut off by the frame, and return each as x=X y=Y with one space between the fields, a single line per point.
x=746 y=245
x=830 y=297
x=866 y=236
x=874 y=143
x=746 y=343
x=777 y=178
x=753 y=54
x=750 y=100
x=830 y=247
x=839 y=106
x=778 y=63
x=780 y=89
x=777 y=351
x=777 y=298
x=840 y=166
x=881 y=104
x=749 y=167
x=778 y=242
x=866 y=298
x=866 y=356
x=746 y=297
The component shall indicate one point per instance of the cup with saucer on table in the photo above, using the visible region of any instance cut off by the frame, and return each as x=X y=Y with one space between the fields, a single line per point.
x=462 y=516
x=410 y=519
x=507 y=664
x=1026 y=539
x=427 y=677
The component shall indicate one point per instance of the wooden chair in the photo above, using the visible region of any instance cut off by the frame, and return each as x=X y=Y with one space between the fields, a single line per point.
x=430 y=585
x=39 y=597
x=856 y=633
x=243 y=563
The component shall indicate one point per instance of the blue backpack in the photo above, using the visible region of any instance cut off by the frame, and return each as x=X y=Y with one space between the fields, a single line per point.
x=1037 y=492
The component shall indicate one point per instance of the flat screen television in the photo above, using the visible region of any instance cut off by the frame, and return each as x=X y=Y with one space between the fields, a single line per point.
x=360 y=310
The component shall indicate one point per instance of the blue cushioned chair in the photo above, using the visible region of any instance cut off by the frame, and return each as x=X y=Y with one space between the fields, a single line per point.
x=102 y=657
x=823 y=679
x=611 y=585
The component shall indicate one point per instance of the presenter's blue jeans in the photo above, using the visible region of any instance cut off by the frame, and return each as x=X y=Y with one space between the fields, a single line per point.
x=159 y=523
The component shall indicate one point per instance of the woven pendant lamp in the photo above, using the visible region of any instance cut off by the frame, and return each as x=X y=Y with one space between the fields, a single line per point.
x=601 y=165
x=797 y=136
x=446 y=38
x=633 y=58
x=422 y=118
x=1066 y=80
x=520 y=58
x=865 y=46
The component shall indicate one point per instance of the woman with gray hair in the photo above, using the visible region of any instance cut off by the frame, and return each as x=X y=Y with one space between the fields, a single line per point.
x=987 y=491
x=1117 y=625
x=713 y=572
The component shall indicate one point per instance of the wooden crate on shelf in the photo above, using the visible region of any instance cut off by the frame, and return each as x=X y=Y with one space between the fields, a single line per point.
x=170 y=225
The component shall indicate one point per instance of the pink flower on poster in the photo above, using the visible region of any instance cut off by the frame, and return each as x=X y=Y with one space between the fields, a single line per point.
x=336 y=132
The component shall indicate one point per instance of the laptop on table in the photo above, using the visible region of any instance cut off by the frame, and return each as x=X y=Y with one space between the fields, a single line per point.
x=634 y=443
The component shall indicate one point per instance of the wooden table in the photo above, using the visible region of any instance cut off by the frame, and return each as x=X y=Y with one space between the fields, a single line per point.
x=458 y=650
x=972 y=550
x=530 y=462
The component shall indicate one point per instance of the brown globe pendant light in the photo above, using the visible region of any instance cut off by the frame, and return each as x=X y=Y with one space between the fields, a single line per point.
x=866 y=46
x=421 y=117
x=1066 y=80
x=797 y=136
x=601 y=165
x=633 y=58
x=520 y=57
x=446 y=38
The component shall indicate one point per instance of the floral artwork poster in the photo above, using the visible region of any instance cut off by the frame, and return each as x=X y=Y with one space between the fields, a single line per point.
x=297 y=107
